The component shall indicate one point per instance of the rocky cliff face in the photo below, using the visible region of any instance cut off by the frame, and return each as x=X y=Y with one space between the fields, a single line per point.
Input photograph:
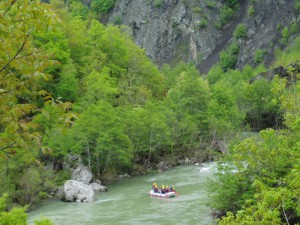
x=188 y=30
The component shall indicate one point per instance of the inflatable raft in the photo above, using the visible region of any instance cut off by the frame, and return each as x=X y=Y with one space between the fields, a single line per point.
x=166 y=195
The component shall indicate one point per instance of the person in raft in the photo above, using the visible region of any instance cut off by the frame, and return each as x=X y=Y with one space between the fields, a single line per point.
x=172 y=188
x=153 y=186
x=162 y=189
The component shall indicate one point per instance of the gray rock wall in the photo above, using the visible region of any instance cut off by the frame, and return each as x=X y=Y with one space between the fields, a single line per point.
x=171 y=31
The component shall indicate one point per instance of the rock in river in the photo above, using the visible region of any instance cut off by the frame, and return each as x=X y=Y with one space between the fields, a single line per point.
x=98 y=187
x=77 y=191
x=82 y=174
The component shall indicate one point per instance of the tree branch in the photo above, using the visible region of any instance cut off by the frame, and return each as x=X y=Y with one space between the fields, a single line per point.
x=286 y=218
x=11 y=4
x=15 y=56
x=8 y=146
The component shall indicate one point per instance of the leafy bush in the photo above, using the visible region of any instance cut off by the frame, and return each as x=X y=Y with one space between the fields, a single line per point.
x=197 y=10
x=251 y=10
x=43 y=221
x=228 y=57
x=227 y=60
x=102 y=6
x=294 y=28
x=240 y=32
x=157 y=3
x=297 y=5
x=259 y=55
x=202 y=23
x=117 y=20
x=234 y=48
x=226 y=14
x=211 y=4
x=285 y=36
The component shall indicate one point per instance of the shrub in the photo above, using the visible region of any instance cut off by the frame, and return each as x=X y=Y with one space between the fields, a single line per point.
x=240 y=32
x=211 y=4
x=297 y=5
x=227 y=60
x=278 y=26
x=197 y=10
x=251 y=10
x=294 y=28
x=117 y=20
x=234 y=48
x=285 y=36
x=202 y=23
x=259 y=55
x=157 y=3
x=102 y=6
x=226 y=14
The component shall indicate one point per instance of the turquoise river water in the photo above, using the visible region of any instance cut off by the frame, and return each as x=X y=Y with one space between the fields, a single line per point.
x=128 y=202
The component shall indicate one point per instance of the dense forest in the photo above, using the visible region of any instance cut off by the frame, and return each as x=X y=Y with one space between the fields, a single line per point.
x=70 y=85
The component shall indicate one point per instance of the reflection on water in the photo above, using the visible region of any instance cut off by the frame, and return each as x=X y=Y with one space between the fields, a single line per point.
x=128 y=202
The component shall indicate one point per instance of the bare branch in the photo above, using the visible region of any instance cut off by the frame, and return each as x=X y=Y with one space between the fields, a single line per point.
x=8 y=146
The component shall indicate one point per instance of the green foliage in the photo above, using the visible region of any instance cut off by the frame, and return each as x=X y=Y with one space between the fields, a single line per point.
x=211 y=4
x=225 y=116
x=294 y=28
x=297 y=5
x=67 y=87
x=240 y=31
x=21 y=66
x=118 y=20
x=78 y=9
x=157 y=3
x=197 y=10
x=258 y=182
x=226 y=14
x=227 y=60
x=111 y=148
x=15 y=216
x=290 y=55
x=251 y=10
x=43 y=221
x=189 y=101
x=259 y=55
x=102 y=6
x=214 y=74
x=285 y=36
x=234 y=48
x=228 y=57
x=202 y=23
x=278 y=26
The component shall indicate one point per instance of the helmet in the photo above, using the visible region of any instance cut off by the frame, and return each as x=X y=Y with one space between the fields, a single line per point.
x=167 y=186
x=154 y=184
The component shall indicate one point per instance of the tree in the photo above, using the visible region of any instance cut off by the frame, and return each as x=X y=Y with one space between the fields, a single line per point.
x=189 y=99
x=21 y=66
x=149 y=131
x=99 y=134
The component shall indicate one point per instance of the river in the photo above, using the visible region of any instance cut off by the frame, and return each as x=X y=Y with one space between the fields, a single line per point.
x=128 y=201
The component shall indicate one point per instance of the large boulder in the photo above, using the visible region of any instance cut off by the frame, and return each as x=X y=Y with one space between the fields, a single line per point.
x=82 y=174
x=98 y=187
x=77 y=191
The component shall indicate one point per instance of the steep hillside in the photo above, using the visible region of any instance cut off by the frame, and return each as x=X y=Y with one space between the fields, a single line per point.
x=175 y=30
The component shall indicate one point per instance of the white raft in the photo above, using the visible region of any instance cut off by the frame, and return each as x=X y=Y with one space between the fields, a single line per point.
x=166 y=195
